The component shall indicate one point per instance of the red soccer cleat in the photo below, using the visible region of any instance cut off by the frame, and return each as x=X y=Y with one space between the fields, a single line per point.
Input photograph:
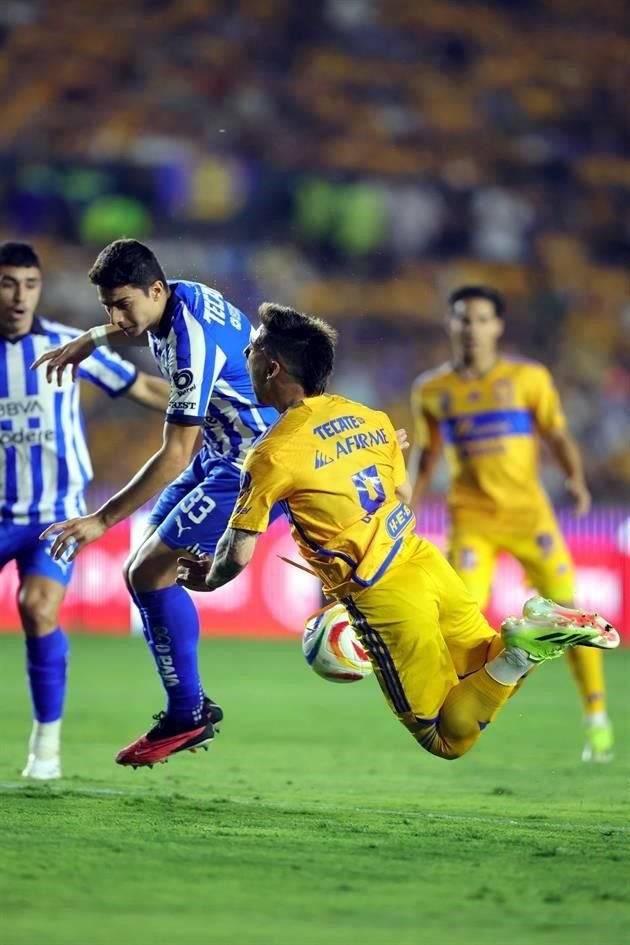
x=167 y=738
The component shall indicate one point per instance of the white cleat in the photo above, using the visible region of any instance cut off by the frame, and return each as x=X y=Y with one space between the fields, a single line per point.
x=546 y=630
x=43 y=752
x=42 y=769
x=598 y=632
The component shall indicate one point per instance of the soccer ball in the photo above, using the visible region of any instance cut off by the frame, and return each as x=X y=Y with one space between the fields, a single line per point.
x=331 y=647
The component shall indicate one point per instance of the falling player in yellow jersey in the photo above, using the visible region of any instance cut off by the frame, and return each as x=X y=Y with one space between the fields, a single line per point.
x=336 y=467
x=489 y=413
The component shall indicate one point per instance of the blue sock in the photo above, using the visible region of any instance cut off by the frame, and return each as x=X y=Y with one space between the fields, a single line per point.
x=46 y=665
x=146 y=630
x=171 y=628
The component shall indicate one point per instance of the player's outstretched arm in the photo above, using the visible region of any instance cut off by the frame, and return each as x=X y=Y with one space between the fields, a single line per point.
x=422 y=463
x=567 y=455
x=234 y=552
x=71 y=354
x=73 y=534
x=77 y=350
x=150 y=392
x=164 y=466
x=426 y=449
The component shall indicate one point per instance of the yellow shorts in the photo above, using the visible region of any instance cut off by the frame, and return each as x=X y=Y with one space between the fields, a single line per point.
x=422 y=630
x=473 y=551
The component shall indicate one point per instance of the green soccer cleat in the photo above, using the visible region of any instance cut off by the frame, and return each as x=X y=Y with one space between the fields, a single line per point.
x=599 y=743
x=547 y=630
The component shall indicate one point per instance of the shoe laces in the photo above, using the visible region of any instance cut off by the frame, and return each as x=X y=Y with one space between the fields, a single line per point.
x=159 y=718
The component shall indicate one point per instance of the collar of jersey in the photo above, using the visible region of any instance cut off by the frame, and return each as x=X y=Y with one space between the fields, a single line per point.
x=482 y=377
x=36 y=329
x=167 y=316
x=307 y=401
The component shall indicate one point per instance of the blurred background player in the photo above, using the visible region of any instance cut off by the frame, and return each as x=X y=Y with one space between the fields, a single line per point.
x=45 y=469
x=336 y=468
x=197 y=339
x=488 y=411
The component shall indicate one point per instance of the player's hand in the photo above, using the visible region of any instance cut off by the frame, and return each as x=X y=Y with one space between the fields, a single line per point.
x=403 y=439
x=73 y=534
x=192 y=572
x=58 y=359
x=578 y=491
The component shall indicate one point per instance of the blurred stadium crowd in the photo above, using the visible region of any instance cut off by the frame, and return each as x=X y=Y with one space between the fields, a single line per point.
x=354 y=158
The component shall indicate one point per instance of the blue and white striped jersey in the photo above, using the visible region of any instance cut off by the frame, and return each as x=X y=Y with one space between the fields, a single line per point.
x=199 y=348
x=44 y=461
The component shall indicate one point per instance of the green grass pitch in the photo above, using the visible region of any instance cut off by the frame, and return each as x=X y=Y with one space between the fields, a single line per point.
x=313 y=818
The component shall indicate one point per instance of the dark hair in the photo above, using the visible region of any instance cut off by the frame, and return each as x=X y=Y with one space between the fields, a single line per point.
x=304 y=344
x=20 y=255
x=467 y=292
x=126 y=262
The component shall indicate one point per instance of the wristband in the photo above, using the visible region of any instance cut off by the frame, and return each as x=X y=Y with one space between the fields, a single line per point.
x=99 y=335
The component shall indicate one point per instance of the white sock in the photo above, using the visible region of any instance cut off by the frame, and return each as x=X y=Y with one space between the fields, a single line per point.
x=44 y=740
x=508 y=667
x=596 y=718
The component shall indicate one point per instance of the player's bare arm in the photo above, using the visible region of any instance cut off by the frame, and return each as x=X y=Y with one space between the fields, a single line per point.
x=164 y=466
x=77 y=350
x=403 y=491
x=422 y=463
x=423 y=459
x=567 y=455
x=234 y=552
x=150 y=392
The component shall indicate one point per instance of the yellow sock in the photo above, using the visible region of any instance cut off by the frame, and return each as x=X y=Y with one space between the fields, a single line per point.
x=467 y=709
x=587 y=668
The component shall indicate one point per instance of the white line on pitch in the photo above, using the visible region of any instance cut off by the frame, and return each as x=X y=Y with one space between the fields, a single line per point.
x=314 y=808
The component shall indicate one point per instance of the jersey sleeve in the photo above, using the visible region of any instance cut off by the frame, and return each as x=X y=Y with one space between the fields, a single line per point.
x=195 y=362
x=544 y=401
x=108 y=370
x=265 y=480
x=426 y=428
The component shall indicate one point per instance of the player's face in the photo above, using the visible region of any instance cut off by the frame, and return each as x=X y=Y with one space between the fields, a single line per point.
x=132 y=309
x=474 y=329
x=20 y=288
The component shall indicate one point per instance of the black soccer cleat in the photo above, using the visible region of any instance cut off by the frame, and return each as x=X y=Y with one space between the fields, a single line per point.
x=168 y=738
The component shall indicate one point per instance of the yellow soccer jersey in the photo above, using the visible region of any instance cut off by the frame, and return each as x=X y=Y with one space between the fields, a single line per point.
x=490 y=431
x=334 y=465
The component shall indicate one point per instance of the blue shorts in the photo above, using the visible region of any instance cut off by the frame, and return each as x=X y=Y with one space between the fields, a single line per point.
x=193 y=512
x=21 y=543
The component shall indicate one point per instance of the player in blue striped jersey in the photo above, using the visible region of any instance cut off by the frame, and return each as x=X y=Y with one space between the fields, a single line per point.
x=197 y=338
x=44 y=468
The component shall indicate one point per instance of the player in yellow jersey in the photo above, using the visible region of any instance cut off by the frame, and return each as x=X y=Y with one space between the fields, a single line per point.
x=336 y=467
x=489 y=413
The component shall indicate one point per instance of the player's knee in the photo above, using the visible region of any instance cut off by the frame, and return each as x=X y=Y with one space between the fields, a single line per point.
x=148 y=571
x=127 y=566
x=441 y=749
x=138 y=573
x=431 y=739
x=38 y=613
